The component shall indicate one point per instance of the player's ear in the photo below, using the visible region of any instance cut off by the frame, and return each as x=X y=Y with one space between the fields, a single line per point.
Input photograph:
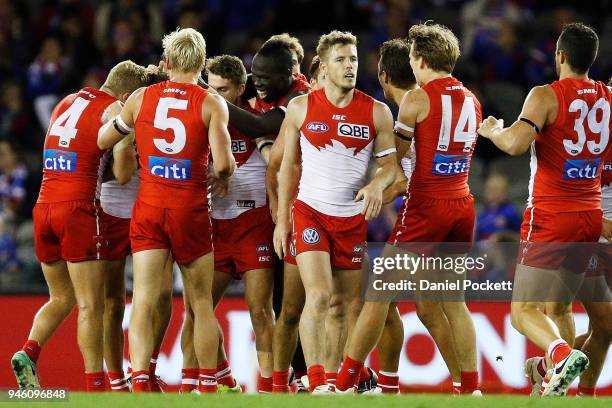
x=241 y=89
x=123 y=97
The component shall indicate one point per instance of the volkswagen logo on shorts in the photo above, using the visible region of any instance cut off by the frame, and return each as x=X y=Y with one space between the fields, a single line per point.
x=292 y=249
x=310 y=236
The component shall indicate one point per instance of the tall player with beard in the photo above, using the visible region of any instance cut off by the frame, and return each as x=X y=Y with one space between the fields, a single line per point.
x=177 y=124
x=68 y=233
x=340 y=129
x=441 y=116
x=567 y=126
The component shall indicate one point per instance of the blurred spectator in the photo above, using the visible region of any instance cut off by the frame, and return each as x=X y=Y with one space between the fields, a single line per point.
x=497 y=215
x=500 y=56
x=13 y=177
x=9 y=261
x=14 y=116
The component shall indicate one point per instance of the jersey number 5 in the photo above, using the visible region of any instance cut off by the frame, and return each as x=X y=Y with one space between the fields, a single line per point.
x=601 y=126
x=163 y=122
x=465 y=131
x=65 y=125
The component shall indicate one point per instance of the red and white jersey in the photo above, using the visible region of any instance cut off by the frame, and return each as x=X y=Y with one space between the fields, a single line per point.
x=300 y=83
x=247 y=186
x=118 y=199
x=72 y=161
x=444 y=141
x=568 y=155
x=173 y=147
x=606 y=186
x=337 y=145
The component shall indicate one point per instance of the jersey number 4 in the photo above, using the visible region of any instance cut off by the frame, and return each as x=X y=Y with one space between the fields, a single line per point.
x=65 y=125
x=465 y=131
x=601 y=126
x=163 y=122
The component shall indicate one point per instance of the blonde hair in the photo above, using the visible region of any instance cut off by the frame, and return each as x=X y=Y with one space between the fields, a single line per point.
x=185 y=49
x=126 y=76
x=436 y=44
x=327 y=41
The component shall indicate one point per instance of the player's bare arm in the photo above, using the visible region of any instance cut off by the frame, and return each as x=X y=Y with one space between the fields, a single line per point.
x=538 y=111
x=215 y=116
x=296 y=113
x=386 y=158
x=122 y=124
x=275 y=158
x=124 y=159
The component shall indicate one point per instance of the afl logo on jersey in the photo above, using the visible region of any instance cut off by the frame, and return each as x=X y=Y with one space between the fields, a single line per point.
x=311 y=236
x=317 y=127
x=353 y=130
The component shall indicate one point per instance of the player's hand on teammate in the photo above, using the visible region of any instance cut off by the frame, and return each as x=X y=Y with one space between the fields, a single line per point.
x=489 y=126
x=372 y=197
x=281 y=233
x=218 y=187
x=606 y=229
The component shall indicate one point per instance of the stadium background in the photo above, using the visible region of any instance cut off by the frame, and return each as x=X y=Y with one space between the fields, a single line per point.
x=49 y=48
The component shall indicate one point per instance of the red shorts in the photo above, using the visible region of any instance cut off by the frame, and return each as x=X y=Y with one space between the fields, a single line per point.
x=550 y=240
x=245 y=242
x=117 y=237
x=187 y=232
x=431 y=220
x=343 y=237
x=68 y=230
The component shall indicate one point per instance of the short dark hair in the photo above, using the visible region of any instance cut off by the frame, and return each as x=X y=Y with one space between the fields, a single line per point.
x=292 y=43
x=580 y=43
x=278 y=51
x=227 y=67
x=395 y=61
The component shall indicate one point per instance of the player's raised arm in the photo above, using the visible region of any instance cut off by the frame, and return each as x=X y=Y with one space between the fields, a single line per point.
x=385 y=153
x=288 y=174
x=516 y=139
x=122 y=124
x=214 y=109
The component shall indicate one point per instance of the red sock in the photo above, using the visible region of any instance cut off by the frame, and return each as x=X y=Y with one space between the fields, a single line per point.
x=388 y=382
x=153 y=363
x=117 y=382
x=280 y=381
x=95 y=381
x=224 y=374
x=331 y=379
x=316 y=376
x=558 y=351
x=541 y=367
x=32 y=349
x=469 y=381
x=349 y=374
x=140 y=381
x=264 y=384
x=364 y=374
x=189 y=381
x=585 y=392
x=208 y=381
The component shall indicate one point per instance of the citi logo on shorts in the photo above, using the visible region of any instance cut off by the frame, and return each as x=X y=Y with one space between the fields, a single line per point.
x=60 y=160
x=353 y=130
x=311 y=236
x=171 y=169
x=450 y=164
x=317 y=127
x=581 y=169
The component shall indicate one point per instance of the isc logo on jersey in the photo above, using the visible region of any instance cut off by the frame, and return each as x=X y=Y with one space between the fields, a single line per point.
x=450 y=164
x=239 y=146
x=581 y=169
x=353 y=130
x=172 y=169
x=60 y=160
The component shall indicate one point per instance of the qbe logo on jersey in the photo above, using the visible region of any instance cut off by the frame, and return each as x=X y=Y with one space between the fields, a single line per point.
x=353 y=130
x=581 y=169
x=60 y=160
x=171 y=169
x=450 y=164
x=239 y=146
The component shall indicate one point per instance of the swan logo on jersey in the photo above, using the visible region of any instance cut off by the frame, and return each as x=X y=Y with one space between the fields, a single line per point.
x=171 y=169
x=239 y=146
x=311 y=236
x=581 y=169
x=60 y=160
x=317 y=127
x=450 y=164
x=353 y=130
